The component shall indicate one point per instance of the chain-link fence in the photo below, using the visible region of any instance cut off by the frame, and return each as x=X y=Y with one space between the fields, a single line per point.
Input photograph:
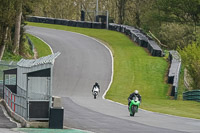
x=10 y=79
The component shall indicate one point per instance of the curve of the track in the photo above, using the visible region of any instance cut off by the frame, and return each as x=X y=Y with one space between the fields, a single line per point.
x=84 y=61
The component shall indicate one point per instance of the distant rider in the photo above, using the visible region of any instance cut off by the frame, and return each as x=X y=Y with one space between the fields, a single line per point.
x=135 y=93
x=96 y=87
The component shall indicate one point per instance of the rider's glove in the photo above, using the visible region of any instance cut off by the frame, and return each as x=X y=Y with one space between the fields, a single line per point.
x=129 y=100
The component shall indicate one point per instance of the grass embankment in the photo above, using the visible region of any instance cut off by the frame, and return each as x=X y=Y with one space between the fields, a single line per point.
x=42 y=48
x=135 y=69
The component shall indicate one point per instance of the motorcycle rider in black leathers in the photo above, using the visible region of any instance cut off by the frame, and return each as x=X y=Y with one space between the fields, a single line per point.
x=135 y=93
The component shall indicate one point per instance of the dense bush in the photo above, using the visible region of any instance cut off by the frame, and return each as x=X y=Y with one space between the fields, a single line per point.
x=176 y=35
x=191 y=59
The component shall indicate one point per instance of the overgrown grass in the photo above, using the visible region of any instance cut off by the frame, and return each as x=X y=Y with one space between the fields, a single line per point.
x=135 y=69
x=9 y=56
x=41 y=48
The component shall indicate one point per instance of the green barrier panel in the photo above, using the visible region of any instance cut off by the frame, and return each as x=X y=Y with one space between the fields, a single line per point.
x=192 y=95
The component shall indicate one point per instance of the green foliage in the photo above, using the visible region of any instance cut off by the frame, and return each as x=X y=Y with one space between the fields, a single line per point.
x=8 y=12
x=9 y=56
x=57 y=9
x=191 y=59
x=179 y=10
x=162 y=17
x=176 y=35
x=25 y=49
x=139 y=13
x=181 y=86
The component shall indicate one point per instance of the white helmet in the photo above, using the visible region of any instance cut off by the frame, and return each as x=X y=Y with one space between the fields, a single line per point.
x=136 y=91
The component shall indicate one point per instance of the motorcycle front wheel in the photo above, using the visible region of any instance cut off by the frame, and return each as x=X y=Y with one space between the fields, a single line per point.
x=95 y=95
x=133 y=110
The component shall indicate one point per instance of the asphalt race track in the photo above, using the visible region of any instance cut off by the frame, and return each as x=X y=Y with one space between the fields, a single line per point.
x=82 y=62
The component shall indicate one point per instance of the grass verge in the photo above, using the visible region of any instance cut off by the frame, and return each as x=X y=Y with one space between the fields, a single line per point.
x=135 y=69
x=41 y=47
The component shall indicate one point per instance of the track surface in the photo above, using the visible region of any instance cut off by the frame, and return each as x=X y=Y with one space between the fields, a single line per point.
x=4 y=121
x=84 y=61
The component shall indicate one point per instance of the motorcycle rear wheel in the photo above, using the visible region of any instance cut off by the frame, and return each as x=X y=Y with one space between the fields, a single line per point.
x=95 y=95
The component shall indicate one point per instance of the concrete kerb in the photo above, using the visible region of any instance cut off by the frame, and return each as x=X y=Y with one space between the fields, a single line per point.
x=20 y=121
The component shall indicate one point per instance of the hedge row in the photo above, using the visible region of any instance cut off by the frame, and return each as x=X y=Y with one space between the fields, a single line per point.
x=139 y=37
x=174 y=70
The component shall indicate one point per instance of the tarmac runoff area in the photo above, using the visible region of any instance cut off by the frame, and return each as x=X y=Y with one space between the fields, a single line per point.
x=6 y=125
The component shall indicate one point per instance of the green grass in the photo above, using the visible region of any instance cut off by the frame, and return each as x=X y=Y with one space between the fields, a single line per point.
x=135 y=69
x=41 y=47
x=9 y=56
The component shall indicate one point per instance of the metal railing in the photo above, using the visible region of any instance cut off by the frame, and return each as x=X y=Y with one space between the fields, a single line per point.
x=30 y=43
x=174 y=71
x=16 y=102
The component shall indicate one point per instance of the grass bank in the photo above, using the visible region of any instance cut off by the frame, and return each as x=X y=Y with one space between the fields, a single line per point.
x=135 y=69
x=42 y=49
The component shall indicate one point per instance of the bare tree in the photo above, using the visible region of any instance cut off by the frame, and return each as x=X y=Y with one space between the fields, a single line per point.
x=17 y=27
x=121 y=6
x=4 y=38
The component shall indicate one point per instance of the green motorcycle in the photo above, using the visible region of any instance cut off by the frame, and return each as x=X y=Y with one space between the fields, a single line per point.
x=134 y=105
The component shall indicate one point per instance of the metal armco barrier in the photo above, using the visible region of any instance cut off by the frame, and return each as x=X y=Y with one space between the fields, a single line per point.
x=139 y=37
x=174 y=71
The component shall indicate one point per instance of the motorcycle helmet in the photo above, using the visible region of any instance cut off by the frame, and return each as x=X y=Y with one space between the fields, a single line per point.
x=136 y=91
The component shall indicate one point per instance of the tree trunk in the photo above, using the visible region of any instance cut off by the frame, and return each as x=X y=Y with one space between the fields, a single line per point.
x=137 y=14
x=17 y=27
x=4 y=38
x=121 y=6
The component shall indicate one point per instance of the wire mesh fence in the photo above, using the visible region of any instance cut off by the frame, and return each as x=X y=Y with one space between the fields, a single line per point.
x=5 y=65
